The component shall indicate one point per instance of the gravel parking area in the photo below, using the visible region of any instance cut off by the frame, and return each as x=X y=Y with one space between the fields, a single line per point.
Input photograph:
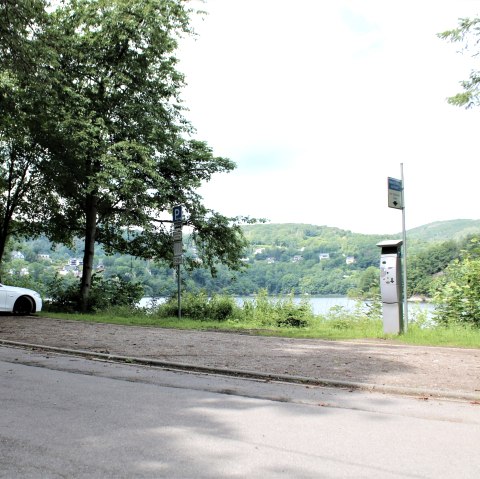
x=382 y=364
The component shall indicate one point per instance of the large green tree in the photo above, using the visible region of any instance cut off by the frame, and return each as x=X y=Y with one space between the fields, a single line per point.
x=24 y=196
x=122 y=153
x=458 y=292
x=103 y=138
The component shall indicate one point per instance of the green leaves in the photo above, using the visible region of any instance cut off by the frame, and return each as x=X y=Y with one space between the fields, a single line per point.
x=458 y=291
x=467 y=33
x=101 y=100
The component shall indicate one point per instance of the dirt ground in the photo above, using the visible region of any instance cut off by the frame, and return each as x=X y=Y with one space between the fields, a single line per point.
x=429 y=371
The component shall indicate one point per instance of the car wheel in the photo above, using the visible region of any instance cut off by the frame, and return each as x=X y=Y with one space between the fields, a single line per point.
x=23 y=306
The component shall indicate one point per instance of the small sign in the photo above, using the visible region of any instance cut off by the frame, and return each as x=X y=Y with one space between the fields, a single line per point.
x=177 y=214
x=177 y=248
x=395 y=193
x=177 y=260
x=177 y=234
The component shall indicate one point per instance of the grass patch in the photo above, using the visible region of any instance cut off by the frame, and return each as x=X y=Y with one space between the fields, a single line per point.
x=282 y=317
x=453 y=336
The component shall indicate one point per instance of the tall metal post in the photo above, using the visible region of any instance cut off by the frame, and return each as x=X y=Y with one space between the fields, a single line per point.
x=404 y=232
x=178 y=250
x=179 y=294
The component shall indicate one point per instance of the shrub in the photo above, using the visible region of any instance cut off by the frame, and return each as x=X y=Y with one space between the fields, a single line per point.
x=361 y=318
x=279 y=312
x=457 y=297
x=64 y=294
x=200 y=306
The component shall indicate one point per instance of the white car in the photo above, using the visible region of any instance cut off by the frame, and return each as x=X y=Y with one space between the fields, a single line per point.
x=19 y=300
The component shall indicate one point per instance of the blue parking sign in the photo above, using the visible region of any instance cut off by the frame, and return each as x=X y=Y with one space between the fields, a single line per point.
x=177 y=214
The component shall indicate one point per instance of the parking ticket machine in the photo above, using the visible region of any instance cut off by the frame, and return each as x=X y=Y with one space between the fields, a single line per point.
x=391 y=286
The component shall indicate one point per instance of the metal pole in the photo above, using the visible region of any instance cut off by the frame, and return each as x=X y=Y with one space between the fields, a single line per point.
x=404 y=231
x=178 y=293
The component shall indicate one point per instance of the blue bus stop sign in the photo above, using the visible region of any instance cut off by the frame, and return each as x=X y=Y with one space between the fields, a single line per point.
x=177 y=214
x=395 y=193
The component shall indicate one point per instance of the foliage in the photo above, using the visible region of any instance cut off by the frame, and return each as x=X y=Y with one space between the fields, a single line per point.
x=63 y=294
x=360 y=318
x=261 y=315
x=467 y=33
x=440 y=231
x=101 y=101
x=25 y=198
x=20 y=23
x=199 y=307
x=428 y=262
x=367 y=285
x=277 y=312
x=458 y=292
x=359 y=280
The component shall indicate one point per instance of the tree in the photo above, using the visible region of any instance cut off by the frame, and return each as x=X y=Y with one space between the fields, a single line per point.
x=457 y=296
x=105 y=105
x=468 y=33
x=20 y=22
x=431 y=261
x=24 y=196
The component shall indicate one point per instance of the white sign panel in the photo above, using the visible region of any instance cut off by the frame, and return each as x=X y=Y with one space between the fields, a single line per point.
x=395 y=193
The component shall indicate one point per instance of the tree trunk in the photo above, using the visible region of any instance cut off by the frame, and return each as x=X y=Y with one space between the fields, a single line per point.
x=3 y=244
x=89 y=251
x=5 y=231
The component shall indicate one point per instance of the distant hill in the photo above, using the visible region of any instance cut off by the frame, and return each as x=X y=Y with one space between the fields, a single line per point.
x=299 y=234
x=444 y=230
x=281 y=258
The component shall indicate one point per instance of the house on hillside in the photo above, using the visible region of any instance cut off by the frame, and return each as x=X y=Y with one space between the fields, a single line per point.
x=323 y=256
x=68 y=269
x=21 y=272
x=350 y=260
x=75 y=262
x=17 y=255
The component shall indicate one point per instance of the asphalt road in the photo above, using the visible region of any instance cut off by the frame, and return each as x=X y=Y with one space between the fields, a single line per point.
x=373 y=364
x=71 y=417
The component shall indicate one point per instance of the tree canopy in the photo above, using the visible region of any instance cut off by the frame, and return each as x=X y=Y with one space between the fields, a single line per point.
x=102 y=100
x=468 y=34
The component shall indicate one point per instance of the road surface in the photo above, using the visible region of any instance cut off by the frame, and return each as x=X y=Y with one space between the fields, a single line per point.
x=71 y=417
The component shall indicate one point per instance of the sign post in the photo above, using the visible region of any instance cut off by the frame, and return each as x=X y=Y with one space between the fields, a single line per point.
x=396 y=199
x=178 y=250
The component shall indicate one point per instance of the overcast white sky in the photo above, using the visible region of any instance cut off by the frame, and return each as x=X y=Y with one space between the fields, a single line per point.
x=319 y=101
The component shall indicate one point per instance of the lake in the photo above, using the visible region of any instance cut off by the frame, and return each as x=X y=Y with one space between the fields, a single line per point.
x=320 y=304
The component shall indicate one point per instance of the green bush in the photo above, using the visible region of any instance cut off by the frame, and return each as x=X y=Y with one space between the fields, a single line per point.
x=457 y=297
x=277 y=312
x=222 y=307
x=362 y=316
x=200 y=306
x=64 y=294
x=24 y=281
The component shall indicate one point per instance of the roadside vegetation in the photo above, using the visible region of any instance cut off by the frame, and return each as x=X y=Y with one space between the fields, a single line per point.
x=280 y=316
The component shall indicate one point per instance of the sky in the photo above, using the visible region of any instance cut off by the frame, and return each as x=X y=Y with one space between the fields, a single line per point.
x=318 y=102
